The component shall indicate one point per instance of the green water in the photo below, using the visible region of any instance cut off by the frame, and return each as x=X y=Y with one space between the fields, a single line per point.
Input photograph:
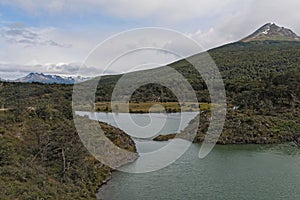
x=228 y=172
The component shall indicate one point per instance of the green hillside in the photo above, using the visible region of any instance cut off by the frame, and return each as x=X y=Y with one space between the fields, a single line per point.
x=262 y=85
x=41 y=154
x=257 y=75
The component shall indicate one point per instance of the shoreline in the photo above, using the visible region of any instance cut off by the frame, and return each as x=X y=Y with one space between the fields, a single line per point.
x=152 y=106
x=109 y=176
x=221 y=141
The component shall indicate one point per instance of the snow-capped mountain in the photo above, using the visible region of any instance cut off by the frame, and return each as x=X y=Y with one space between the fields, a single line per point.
x=271 y=31
x=50 y=79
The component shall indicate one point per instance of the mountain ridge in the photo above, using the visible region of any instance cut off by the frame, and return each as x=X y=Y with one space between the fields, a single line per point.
x=50 y=79
x=271 y=31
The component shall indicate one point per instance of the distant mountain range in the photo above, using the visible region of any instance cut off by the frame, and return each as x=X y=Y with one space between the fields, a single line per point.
x=50 y=79
x=271 y=31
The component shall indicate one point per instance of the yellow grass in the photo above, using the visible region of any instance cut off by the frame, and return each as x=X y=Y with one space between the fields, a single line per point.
x=144 y=107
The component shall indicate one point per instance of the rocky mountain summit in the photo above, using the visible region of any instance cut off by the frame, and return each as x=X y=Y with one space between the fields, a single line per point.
x=271 y=31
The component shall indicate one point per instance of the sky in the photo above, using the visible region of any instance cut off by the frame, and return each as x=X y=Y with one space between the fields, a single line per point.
x=56 y=37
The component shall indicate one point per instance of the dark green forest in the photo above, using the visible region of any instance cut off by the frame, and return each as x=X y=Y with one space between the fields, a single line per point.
x=261 y=76
x=41 y=155
x=262 y=87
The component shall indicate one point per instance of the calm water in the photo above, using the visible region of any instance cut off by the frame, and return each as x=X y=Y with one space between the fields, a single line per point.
x=230 y=172
x=144 y=125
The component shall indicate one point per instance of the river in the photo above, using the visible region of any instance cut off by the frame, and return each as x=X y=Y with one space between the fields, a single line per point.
x=230 y=172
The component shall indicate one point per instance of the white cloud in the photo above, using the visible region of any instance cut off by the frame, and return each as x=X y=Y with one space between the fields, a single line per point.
x=21 y=44
x=28 y=36
x=170 y=11
x=237 y=25
x=210 y=23
x=226 y=20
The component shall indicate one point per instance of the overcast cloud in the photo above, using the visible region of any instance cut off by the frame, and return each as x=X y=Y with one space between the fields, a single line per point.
x=25 y=46
x=28 y=36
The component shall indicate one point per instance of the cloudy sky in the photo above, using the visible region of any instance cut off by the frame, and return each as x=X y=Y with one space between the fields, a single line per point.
x=55 y=37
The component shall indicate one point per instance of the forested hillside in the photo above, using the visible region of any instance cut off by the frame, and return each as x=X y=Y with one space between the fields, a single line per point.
x=41 y=154
x=261 y=76
x=263 y=92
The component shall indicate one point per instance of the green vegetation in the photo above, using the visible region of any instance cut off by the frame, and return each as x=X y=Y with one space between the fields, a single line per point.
x=261 y=76
x=262 y=88
x=244 y=128
x=249 y=128
x=41 y=155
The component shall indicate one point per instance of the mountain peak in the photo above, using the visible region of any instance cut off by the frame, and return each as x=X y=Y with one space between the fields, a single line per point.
x=271 y=31
x=50 y=79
